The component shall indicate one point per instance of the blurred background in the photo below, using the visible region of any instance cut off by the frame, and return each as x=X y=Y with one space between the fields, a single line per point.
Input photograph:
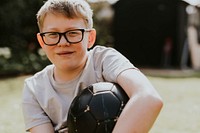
x=161 y=37
x=151 y=33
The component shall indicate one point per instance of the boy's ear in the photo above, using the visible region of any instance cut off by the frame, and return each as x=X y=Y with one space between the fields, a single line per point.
x=92 y=38
x=39 y=38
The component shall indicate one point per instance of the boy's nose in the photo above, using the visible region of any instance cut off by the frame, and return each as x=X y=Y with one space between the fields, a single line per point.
x=63 y=42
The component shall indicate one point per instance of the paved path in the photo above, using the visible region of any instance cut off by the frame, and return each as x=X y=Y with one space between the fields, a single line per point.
x=170 y=72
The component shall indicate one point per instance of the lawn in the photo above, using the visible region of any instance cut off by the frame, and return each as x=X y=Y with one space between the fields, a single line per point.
x=11 y=120
x=180 y=113
x=181 y=110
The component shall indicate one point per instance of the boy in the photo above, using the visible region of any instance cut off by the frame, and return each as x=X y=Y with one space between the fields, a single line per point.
x=66 y=34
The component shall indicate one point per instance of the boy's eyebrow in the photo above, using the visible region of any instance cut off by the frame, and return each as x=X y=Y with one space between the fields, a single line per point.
x=54 y=29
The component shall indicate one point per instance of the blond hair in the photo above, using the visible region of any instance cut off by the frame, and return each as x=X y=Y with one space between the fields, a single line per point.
x=69 y=8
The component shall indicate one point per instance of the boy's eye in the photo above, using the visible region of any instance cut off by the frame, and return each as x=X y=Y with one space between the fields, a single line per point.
x=52 y=35
x=74 y=33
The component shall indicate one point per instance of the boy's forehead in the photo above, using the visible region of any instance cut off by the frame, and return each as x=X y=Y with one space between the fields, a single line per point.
x=57 y=17
x=61 y=21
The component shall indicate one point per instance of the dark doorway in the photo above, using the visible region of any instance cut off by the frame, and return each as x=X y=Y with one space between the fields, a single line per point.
x=145 y=31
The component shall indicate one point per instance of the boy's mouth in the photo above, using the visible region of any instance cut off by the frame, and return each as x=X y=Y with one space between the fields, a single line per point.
x=65 y=53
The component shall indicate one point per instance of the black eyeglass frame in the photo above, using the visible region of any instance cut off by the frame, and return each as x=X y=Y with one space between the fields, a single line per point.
x=64 y=34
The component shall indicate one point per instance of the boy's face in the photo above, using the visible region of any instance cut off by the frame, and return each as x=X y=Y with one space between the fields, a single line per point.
x=66 y=56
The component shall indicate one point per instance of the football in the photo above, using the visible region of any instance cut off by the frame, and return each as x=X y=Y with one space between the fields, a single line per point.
x=97 y=108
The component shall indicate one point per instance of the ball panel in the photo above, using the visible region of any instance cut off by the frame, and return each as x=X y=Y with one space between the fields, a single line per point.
x=105 y=126
x=104 y=105
x=84 y=123
x=80 y=103
x=120 y=93
x=101 y=87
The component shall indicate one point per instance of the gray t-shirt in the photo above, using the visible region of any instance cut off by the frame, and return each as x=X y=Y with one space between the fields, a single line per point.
x=45 y=100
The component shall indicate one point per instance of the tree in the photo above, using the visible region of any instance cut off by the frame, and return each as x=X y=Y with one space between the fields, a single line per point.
x=18 y=28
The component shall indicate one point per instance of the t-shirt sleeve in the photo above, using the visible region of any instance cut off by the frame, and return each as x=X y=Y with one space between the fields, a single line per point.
x=111 y=63
x=32 y=112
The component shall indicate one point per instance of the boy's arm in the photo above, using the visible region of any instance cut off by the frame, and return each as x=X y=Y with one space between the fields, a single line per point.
x=143 y=107
x=44 y=128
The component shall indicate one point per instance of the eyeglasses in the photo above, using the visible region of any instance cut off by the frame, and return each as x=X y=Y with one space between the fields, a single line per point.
x=71 y=36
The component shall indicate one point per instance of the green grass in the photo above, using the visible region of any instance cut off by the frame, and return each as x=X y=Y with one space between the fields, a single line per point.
x=11 y=120
x=180 y=113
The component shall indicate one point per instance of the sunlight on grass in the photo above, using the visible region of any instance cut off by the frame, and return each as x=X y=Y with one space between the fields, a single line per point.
x=10 y=101
x=180 y=113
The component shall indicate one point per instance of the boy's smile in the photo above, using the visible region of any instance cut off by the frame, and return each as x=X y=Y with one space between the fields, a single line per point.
x=65 y=53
